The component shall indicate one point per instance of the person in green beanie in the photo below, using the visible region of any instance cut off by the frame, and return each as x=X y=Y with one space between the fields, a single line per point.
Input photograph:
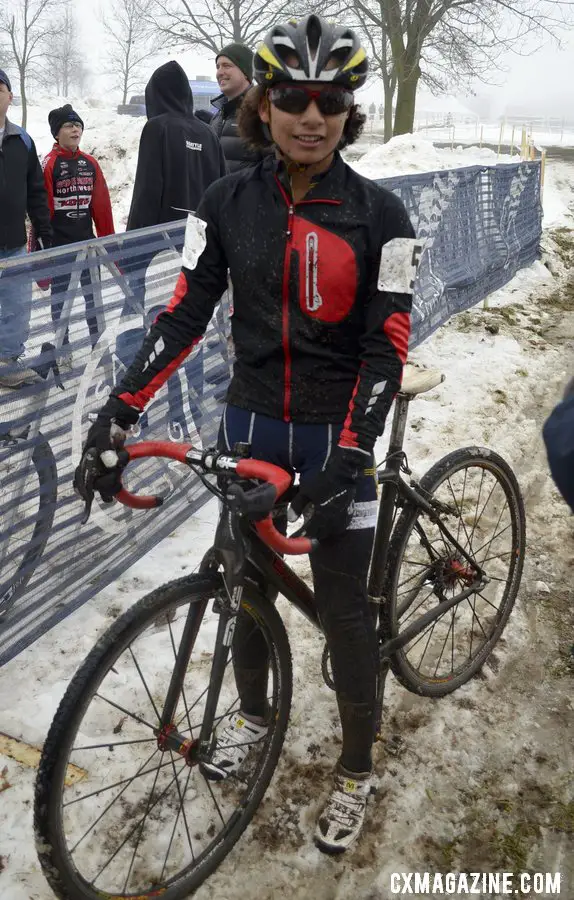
x=234 y=68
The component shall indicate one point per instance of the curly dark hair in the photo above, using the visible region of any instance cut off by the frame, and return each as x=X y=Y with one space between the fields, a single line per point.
x=256 y=134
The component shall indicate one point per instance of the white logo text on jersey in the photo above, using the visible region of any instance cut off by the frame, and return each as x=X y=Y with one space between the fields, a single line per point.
x=193 y=146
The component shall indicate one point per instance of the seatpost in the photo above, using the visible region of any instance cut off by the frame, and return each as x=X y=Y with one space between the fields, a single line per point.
x=399 y=427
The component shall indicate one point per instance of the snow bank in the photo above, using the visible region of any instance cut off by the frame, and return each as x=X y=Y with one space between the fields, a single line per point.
x=409 y=153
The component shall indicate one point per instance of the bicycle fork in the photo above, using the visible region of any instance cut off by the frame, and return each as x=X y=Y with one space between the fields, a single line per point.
x=229 y=550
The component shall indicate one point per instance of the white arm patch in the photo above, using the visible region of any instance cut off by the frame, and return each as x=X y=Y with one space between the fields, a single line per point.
x=195 y=241
x=399 y=263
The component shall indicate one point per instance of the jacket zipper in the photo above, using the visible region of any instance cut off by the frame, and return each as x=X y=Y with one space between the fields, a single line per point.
x=285 y=290
x=285 y=317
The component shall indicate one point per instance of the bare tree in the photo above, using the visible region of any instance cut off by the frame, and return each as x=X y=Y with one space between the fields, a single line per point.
x=130 y=44
x=25 y=28
x=443 y=41
x=66 y=60
x=214 y=23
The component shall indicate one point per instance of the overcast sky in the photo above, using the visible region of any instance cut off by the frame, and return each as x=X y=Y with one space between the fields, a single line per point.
x=540 y=83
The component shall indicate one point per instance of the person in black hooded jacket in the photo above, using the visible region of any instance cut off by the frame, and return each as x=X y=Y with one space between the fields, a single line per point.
x=179 y=156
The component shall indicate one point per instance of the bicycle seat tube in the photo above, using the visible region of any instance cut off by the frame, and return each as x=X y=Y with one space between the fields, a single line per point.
x=390 y=478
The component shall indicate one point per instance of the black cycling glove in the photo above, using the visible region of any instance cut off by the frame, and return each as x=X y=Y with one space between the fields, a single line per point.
x=103 y=457
x=326 y=498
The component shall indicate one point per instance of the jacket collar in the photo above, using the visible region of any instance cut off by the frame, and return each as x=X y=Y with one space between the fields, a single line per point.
x=228 y=107
x=328 y=185
x=67 y=154
x=11 y=128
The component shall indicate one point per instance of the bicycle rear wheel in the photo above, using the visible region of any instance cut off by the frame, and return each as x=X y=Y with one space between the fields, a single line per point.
x=29 y=487
x=482 y=507
x=115 y=814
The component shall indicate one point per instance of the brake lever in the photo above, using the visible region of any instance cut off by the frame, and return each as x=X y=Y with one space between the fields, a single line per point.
x=89 y=471
x=255 y=504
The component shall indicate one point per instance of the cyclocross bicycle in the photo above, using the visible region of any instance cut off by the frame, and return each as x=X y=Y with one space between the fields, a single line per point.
x=123 y=808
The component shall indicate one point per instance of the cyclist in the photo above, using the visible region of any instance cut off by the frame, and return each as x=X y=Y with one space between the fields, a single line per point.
x=321 y=261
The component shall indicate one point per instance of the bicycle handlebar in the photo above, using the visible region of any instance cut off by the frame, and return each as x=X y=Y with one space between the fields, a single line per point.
x=212 y=461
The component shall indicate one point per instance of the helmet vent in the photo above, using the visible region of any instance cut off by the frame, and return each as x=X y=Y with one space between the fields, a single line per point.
x=313 y=36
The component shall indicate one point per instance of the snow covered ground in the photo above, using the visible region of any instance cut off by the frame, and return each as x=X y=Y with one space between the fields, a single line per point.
x=482 y=780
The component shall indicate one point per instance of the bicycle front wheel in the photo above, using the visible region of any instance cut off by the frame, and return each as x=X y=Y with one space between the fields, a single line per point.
x=116 y=814
x=480 y=503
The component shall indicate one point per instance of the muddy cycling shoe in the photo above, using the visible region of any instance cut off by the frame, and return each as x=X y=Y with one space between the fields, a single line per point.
x=340 y=822
x=233 y=744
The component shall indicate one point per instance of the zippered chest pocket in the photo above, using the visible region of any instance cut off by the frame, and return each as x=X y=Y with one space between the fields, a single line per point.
x=328 y=272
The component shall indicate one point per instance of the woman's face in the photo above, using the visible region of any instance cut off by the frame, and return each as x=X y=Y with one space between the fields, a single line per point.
x=308 y=137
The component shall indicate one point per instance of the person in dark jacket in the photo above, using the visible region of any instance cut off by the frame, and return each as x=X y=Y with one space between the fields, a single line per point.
x=234 y=71
x=179 y=156
x=21 y=191
x=78 y=197
x=204 y=115
x=323 y=263
x=558 y=434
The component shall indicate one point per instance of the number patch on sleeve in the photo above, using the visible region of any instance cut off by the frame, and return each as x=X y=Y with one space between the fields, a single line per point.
x=399 y=263
x=195 y=241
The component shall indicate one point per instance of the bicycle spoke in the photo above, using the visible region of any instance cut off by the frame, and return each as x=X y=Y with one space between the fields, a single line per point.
x=139 y=837
x=482 y=476
x=493 y=488
x=488 y=543
x=414 y=611
x=113 y=744
x=407 y=580
x=499 y=556
x=109 y=806
x=445 y=642
x=216 y=804
x=169 y=846
x=126 y=839
x=486 y=600
x=144 y=684
x=129 y=714
x=458 y=510
x=477 y=620
x=116 y=784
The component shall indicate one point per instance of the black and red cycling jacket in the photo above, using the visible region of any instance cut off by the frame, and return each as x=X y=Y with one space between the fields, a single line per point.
x=77 y=194
x=316 y=338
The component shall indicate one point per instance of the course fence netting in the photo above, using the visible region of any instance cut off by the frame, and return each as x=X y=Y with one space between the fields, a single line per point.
x=479 y=226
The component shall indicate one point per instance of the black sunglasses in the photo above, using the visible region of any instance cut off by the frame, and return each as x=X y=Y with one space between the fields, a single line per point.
x=291 y=98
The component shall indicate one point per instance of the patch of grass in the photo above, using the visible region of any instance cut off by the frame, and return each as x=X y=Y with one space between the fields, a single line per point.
x=508 y=313
x=500 y=397
x=563 y=299
x=562 y=818
x=564 y=240
x=463 y=321
x=514 y=848
x=522 y=373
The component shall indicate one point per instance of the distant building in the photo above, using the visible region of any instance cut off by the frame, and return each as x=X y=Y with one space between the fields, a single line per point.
x=204 y=91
